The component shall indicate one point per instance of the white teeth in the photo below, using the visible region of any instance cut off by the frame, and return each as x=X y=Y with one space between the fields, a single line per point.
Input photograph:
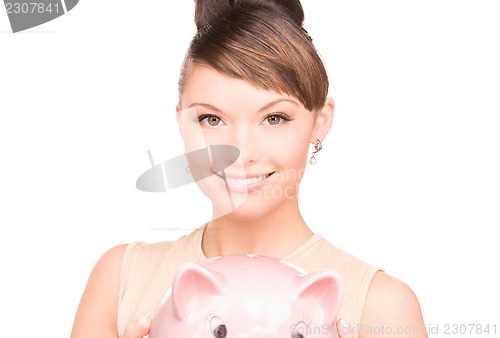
x=247 y=181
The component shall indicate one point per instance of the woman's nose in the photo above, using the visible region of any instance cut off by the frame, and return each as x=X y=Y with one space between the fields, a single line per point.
x=248 y=143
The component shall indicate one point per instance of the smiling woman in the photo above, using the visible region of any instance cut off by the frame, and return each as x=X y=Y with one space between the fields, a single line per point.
x=235 y=112
x=251 y=79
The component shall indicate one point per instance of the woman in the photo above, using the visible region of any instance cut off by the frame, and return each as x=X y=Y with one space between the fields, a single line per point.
x=251 y=79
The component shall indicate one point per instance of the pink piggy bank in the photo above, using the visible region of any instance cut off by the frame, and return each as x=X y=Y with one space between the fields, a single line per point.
x=249 y=296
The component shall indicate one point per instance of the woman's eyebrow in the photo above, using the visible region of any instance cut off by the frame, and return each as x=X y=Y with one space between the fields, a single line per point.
x=272 y=103
x=206 y=105
x=266 y=106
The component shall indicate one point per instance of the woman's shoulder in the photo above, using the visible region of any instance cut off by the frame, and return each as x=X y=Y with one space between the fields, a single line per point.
x=96 y=312
x=153 y=253
x=372 y=297
x=145 y=251
x=386 y=297
x=320 y=253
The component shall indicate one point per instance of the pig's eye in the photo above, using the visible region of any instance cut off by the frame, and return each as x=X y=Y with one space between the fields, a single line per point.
x=299 y=330
x=218 y=328
x=220 y=331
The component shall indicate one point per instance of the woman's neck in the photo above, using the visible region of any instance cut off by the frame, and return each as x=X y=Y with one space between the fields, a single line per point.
x=276 y=234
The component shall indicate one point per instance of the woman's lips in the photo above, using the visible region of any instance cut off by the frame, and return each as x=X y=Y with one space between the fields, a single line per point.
x=244 y=183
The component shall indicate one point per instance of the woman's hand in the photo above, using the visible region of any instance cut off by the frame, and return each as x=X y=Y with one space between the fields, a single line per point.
x=137 y=328
x=343 y=329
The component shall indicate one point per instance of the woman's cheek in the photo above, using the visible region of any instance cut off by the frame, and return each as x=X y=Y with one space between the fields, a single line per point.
x=294 y=147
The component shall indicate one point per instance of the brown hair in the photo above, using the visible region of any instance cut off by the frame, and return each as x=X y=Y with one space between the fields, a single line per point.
x=262 y=42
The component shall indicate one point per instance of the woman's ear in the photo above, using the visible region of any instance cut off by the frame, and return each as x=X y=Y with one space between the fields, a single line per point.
x=324 y=120
x=178 y=115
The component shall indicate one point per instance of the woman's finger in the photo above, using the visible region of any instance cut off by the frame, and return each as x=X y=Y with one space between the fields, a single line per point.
x=344 y=329
x=137 y=328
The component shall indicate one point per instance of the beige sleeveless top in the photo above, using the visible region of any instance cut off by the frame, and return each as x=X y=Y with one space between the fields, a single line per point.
x=148 y=270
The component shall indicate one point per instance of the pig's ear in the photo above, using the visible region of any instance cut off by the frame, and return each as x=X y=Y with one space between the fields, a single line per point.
x=193 y=289
x=326 y=288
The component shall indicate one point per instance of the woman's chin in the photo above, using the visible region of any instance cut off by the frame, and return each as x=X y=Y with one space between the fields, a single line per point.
x=241 y=214
x=251 y=209
x=247 y=201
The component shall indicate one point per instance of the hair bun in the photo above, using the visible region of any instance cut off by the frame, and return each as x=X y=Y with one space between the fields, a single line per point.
x=209 y=11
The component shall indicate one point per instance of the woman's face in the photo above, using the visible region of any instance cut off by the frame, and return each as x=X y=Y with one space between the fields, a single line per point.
x=271 y=130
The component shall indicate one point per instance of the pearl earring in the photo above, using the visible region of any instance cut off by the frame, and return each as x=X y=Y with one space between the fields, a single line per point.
x=317 y=148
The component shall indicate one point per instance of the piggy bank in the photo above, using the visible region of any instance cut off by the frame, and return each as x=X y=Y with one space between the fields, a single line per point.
x=249 y=296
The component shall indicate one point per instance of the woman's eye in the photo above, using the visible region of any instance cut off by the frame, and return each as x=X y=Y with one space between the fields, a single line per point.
x=211 y=120
x=276 y=119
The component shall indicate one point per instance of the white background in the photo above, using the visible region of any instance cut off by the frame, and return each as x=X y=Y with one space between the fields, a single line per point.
x=407 y=180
